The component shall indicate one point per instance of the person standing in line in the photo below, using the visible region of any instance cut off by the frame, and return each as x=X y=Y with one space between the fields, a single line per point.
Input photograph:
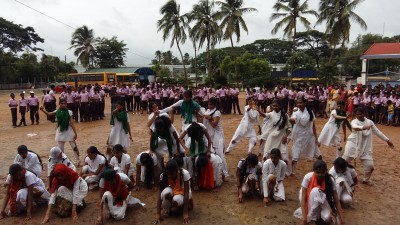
x=70 y=97
x=23 y=103
x=52 y=105
x=33 y=107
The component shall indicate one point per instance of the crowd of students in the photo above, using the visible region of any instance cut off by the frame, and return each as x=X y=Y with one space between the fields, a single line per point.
x=194 y=158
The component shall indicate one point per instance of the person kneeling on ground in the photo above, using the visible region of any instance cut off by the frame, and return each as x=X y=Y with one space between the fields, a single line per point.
x=273 y=173
x=68 y=191
x=95 y=163
x=248 y=172
x=115 y=193
x=318 y=197
x=345 y=180
x=175 y=191
x=22 y=188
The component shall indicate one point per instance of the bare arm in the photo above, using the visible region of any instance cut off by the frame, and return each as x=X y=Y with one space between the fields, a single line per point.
x=186 y=203
x=72 y=125
x=45 y=112
x=338 y=207
x=304 y=204
x=5 y=202
x=209 y=141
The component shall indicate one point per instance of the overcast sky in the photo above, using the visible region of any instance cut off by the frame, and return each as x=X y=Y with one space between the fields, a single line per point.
x=134 y=21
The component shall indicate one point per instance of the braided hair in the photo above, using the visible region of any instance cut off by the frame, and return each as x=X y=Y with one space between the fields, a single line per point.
x=283 y=118
x=148 y=163
x=94 y=150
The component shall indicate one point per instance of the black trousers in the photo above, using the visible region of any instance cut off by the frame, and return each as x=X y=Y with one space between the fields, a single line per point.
x=136 y=104
x=34 y=113
x=22 y=110
x=14 y=116
x=129 y=102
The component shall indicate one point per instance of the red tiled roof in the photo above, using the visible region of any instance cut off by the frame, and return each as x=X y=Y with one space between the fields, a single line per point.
x=383 y=49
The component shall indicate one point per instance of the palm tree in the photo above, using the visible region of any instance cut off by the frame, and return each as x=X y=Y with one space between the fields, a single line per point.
x=338 y=15
x=293 y=11
x=232 y=21
x=206 y=28
x=83 y=41
x=173 y=24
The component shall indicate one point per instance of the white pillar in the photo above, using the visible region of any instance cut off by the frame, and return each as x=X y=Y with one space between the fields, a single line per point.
x=364 y=72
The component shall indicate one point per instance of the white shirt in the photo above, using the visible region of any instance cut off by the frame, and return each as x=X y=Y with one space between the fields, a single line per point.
x=307 y=179
x=248 y=169
x=95 y=163
x=31 y=163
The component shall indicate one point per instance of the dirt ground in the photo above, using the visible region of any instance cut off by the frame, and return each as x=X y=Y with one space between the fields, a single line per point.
x=374 y=205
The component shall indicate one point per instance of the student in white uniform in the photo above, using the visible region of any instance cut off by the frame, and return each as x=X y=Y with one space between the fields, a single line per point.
x=330 y=134
x=175 y=192
x=115 y=195
x=66 y=131
x=121 y=162
x=164 y=139
x=120 y=130
x=196 y=142
x=345 y=177
x=318 y=197
x=95 y=163
x=57 y=157
x=304 y=134
x=276 y=130
x=248 y=174
x=22 y=188
x=148 y=169
x=273 y=174
x=359 y=142
x=29 y=160
x=212 y=121
x=246 y=127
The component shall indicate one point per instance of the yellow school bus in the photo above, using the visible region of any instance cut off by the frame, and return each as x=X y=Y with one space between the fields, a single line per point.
x=107 y=78
x=80 y=79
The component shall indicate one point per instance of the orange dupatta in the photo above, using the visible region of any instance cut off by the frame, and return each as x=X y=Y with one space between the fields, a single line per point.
x=176 y=184
x=313 y=183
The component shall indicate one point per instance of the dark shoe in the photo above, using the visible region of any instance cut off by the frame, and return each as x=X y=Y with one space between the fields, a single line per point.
x=32 y=123
x=37 y=122
x=25 y=124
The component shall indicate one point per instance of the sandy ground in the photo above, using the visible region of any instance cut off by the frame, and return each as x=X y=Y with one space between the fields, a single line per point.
x=377 y=204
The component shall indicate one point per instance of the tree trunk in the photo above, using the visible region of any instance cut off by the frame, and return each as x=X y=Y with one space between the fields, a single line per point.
x=332 y=53
x=195 y=61
x=293 y=52
x=183 y=62
x=234 y=58
x=209 y=61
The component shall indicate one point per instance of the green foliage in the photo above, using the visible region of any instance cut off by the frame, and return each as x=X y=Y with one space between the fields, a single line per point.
x=83 y=41
x=167 y=58
x=110 y=53
x=15 y=38
x=300 y=61
x=327 y=72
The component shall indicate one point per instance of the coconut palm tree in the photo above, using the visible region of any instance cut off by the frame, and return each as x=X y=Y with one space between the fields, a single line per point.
x=205 y=28
x=293 y=12
x=232 y=22
x=83 y=41
x=338 y=15
x=173 y=24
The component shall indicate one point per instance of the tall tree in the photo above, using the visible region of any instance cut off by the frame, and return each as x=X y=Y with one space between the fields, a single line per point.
x=15 y=38
x=174 y=24
x=232 y=21
x=338 y=15
x=110 y=53
x=293 y=11
x=83 y=41
x=206 y=28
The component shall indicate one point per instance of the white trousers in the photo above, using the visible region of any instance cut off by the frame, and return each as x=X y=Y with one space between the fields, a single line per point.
x=179 y=199
x=279 y=189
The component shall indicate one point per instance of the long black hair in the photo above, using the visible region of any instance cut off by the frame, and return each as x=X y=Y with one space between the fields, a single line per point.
x=171 y=165
x=162 y=123
x=283 y=119
x=22 y=149
x=308 y=109
x=342 y=164
x=195 y=131
x=148 y=163
x=319 y=164
x=94 y=150
x=251 y=159
x=201 y=162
